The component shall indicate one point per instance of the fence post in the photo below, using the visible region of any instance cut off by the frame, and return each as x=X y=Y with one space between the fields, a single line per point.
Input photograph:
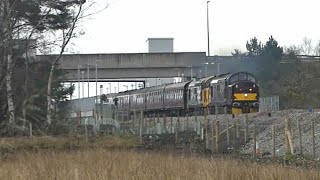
x=154 y=124
x=187 y=114
x=313 y=140
x=141 y=126
x=115 y=120
x=30 y=130
x=217 y=136
x=254 y=141
x=213 y=127
x=178 y=129
x=273 y=140
x=134 y=119
x=246 y=128
x=235 y=136
x=171 y=124
x=149 y=122
x=165 y=122
x=86 y=129
x=238 y=128
x=206 y=127
x=288 y=137
x=300 y=137
x=227 y=120
x=79 y=117
x=122 y=114
x=196 y=121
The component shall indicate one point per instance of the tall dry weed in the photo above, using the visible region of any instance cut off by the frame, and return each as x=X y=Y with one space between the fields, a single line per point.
x=125 y=164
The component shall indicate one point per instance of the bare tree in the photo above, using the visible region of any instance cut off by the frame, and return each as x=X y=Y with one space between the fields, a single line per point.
x=293 y=49
x=317 y=49
x=66 y=37
x=306 y=47
x=8 y=29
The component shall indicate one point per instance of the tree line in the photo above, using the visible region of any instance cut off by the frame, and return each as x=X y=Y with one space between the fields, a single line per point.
x=281 y=73
x=30 y=89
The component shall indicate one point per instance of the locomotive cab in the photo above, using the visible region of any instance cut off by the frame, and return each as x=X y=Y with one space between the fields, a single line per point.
x=244 y=93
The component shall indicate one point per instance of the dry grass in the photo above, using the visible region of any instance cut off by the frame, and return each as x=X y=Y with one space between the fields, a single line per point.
x=125 y=164
x=63 y=143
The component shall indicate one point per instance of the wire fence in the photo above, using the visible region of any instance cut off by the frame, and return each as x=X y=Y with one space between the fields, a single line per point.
x=251 y=134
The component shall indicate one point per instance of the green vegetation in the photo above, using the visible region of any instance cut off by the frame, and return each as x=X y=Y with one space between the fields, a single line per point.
x=25 y=83
x=281 y=73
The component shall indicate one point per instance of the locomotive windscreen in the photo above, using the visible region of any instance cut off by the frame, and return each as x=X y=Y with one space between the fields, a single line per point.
x=242 y=76
x=245 y=87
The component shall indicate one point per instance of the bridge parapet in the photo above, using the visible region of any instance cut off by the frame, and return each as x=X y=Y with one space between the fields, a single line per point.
x=131 y=60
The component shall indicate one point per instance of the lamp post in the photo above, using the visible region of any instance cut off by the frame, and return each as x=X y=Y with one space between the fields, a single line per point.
x=97 y=80
x=109 y=88
x=208 y=28
x=88 y=75
x=82 y=76
x=79 y=82
x=205 y=68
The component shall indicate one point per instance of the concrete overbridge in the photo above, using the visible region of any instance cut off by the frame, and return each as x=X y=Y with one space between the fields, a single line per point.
x=131 y=65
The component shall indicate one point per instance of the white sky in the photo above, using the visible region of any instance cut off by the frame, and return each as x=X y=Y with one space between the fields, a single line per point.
x=126 y=24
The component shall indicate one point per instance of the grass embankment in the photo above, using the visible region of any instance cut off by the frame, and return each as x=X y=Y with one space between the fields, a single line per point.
x=13 y=145
x=126 y=164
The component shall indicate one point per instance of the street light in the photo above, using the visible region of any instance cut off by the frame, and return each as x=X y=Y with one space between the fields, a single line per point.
x=208 y=28
x=82 y=76
x=97 y=80
x=109 y=88
x=88 y=69
x=79 y=82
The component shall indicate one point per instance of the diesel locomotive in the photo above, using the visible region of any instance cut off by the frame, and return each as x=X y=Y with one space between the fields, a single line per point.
x=236 y=92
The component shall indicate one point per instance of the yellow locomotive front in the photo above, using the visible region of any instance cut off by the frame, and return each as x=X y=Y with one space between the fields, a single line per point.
x=244 y=93
x=245 y=97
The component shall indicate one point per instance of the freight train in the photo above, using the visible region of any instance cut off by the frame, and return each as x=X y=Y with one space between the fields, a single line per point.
x=237 y=93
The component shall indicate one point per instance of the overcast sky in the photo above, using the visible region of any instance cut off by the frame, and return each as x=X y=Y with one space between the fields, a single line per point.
x=125 y=25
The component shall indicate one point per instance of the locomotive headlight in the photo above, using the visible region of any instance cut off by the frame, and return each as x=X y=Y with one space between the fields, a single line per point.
x=250 y=89
x=245 y=95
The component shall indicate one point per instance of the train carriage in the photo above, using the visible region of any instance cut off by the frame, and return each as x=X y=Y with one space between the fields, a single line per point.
x=194 y=95
x=176 y=96
x=138 y=99
x=154 y=98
